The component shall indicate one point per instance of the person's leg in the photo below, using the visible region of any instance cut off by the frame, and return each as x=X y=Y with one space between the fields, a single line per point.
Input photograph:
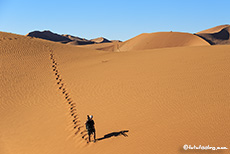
x=94 y=135
x=89 y=136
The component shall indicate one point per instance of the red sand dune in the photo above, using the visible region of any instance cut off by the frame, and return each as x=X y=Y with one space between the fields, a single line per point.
x=161 y=98
x=110 y=46
x=74 y=37
x=48 y=35
x=79 y=42
x=100 y=40
x=216 y=35
x=161 y=40
x=152 y=41
x=65 y=38
x=213 y=29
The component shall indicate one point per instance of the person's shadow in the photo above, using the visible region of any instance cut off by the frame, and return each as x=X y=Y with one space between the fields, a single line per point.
x=115 y=134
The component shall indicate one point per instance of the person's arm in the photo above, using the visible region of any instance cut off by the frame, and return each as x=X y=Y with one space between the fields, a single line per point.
x=86 y=124
x=93 y=122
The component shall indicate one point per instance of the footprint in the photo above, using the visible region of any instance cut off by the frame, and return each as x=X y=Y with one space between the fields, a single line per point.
x=83 y=131
x=73 y=104
x=77 y=126
x=84 y=136
x=75 y=119
x=77 y=122
x=73 y=107
x=61 y=86
x=73 y=110
x=77 y=132
x=104 y=61
x=80 y=127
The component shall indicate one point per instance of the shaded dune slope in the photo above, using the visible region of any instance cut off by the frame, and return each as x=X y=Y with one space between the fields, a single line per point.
x=100 y=40
x=216 y=35
x=69 y=39
x=162 y=40
x=79 y=42
x=48 y=35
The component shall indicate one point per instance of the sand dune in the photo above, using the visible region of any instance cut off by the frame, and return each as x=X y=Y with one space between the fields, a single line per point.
x=161 y=98
x=111 y=46
x=216 y=35
x=79 y=42
x=48 y=35
x=140 y=42
x=213 y=29
x=100 y=40
x=65 y=38
x=162 y=40
x=73 y=38
x=152 y=41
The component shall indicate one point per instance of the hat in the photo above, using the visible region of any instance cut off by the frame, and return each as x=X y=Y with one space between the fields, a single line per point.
x=91 y=116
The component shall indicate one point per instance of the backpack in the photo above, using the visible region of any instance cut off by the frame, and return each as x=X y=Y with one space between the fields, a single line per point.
x=89 y=125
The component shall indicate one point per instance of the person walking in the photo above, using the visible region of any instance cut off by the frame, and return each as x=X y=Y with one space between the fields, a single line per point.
x=90 y=127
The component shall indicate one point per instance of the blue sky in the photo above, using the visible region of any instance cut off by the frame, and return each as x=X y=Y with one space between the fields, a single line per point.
x=120 y=19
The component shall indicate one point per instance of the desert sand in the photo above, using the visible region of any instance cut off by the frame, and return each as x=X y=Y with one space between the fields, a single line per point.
x=143 y=101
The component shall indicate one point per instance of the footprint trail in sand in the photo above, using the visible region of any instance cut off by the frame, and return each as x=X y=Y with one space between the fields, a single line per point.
x=77 y=126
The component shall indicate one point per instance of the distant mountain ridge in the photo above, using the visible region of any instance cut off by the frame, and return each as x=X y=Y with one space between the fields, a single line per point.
x=65 y=38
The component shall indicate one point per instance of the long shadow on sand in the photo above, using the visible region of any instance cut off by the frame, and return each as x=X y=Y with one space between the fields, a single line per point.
x=115 y=134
